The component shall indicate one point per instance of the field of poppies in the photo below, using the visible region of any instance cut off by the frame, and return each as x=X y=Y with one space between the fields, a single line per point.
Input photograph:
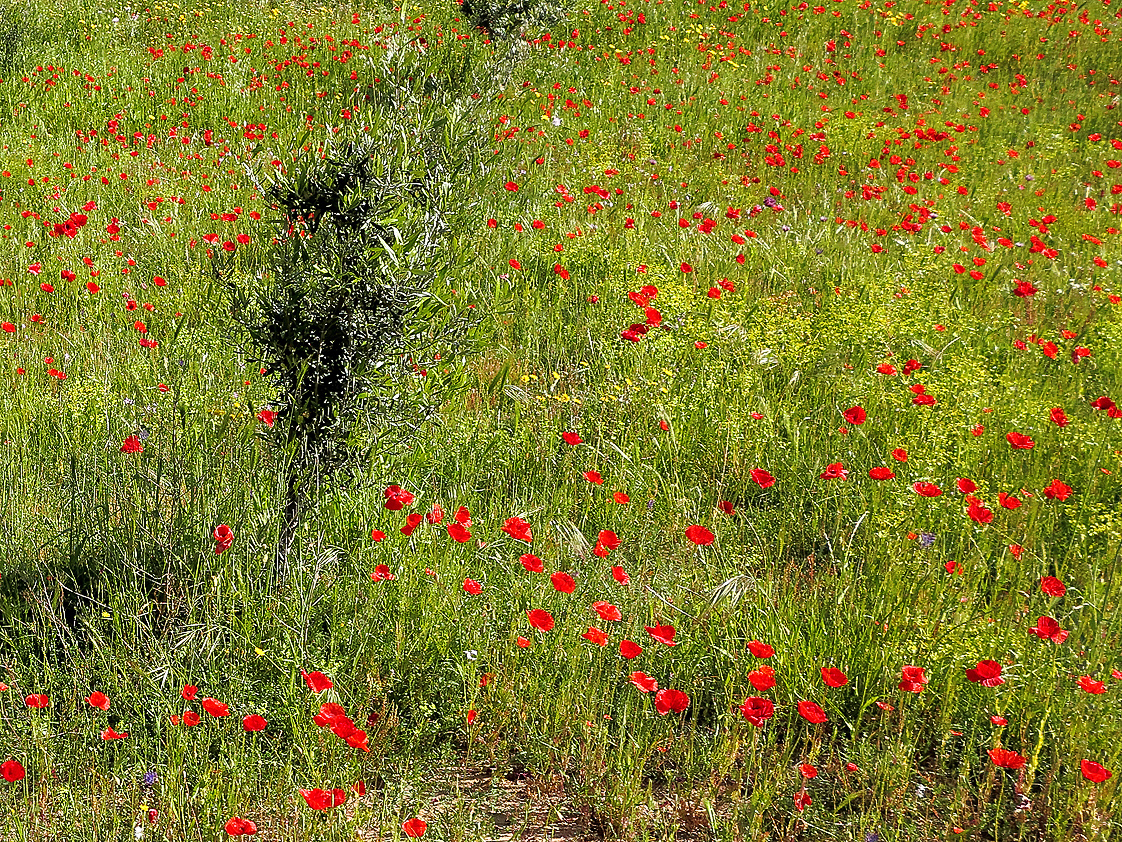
x=643 y=419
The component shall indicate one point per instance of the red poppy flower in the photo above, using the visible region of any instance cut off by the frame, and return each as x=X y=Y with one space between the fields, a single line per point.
x=223 y=538
x=215 y=708
x=463 y=517
x=240 y=827
x=628 y=649
x=411 y=523
x=979 y=513
x=900 y=455
x=322 y=799
x=834 y=677
x=435 y=515
x=881 y=473
x=1047 y=628
x=594 y=635
x=663 y=634
x=332 y=713
x=987 y=673
x=1019 y=441
x=189 y=692
x=457 y=533
x=621 y=498
x=1059 y=418
x=190 y=718
x=132 y=444
x=382 y=574
x=644 y=682
x=835 y=470
x=397 y=498
x=1092 y=771
x=802 y=800
x=13 y=771
x=855 y=415
x=563 y=582
x=760 y=650
x=37 y=700
x=110 y=734
x=668 y=699
x=762 y=478
x=1090 y=685
x=1057 y=491
x=414 y=828
x=518 y=529
x=762 y=679
x=757 y=710
x=620 y=575
x=540 y=619
x=357 y=739
x=1052 y=586
x=999 y=721
x=98 y=700
x=532 y=563
x=608 y=538
x=571 y=438
x=912 y=679
x=966 y=485
x=927 y=489
x=377 y=535
x=254 y=722
x=607 y=611
x=1008 y=501
x=1006 y=759
x=727 y=508
x=472 y=587
x=317 y=682
x=700 y=535
x=812 y=713
x=808 y=771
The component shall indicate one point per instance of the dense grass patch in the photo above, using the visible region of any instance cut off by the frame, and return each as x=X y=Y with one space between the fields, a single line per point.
x=738 y=457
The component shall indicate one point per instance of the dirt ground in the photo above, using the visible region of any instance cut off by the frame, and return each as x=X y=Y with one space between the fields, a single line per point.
x=483 y=803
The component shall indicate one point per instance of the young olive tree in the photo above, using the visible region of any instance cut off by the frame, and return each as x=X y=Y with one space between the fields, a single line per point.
x=349 y=306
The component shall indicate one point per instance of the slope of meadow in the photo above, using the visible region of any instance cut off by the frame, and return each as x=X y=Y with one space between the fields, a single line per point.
x=767 y=487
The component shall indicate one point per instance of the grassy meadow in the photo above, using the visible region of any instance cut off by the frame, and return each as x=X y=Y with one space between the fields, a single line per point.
x=737 y=457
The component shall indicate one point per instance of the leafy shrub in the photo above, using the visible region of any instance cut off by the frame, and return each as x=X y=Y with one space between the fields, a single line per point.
x=507 y=19
x=12 y=29
x=345 y=318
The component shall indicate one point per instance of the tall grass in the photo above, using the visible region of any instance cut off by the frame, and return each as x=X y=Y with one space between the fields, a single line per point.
x=808 y=189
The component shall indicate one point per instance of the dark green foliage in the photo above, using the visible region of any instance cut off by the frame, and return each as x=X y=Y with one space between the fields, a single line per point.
x=12 y=31
x=349 y=312
x=506 y=19
x=347 y=272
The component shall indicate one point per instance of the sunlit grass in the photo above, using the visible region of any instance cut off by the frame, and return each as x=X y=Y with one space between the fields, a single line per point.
x=813 y=196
